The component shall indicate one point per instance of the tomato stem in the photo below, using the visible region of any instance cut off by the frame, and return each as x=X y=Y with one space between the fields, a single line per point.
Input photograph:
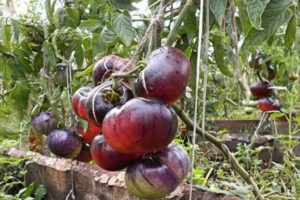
x=130 y=74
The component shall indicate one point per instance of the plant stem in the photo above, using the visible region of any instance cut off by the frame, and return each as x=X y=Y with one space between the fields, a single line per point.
x=189 y=122
x=131 y=74
x=172 y=35
x=261 y=122
x=223 y=148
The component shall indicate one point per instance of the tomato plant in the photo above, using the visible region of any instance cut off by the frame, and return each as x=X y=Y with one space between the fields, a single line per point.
x=95 y=51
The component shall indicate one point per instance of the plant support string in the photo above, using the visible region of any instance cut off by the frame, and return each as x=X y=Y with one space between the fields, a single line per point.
x=196 y=95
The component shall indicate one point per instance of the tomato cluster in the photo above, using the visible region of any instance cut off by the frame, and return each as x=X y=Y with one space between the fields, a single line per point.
x=137 y=131
x=263 y=93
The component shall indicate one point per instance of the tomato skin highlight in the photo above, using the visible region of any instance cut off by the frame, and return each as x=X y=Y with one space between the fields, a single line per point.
x=140 y=125
x=165 y=76
x=109 y=159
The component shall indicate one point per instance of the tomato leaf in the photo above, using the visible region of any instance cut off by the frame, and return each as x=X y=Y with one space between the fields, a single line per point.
x=5 y=69
x=49 y=55
x=273 y=17
x=20 y=94
x=255 y=10
x=218 y=8
x=221 y=55
x=16 y=29
x=98 y=46
x=49 y=11
x=108 y=36
x=290 y=33
x=79 y=52
x=6 y=35
x=9 y=119
x=124 y=4
x=73 y=18
x=123 y=28
x=40 y=192
x=244 y=17
x=91 y=24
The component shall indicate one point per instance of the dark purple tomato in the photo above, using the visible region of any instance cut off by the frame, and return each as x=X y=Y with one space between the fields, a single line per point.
x=78 y=101
x=261 y=89
x=64 y=143
x=158 y=174
x=140 y=125
x=176 y=159
x=44 y=123
x=165 y=76
x=109 y=159
x=107 y=65
x=101 y=100
x=85 y=154
x=268 y=104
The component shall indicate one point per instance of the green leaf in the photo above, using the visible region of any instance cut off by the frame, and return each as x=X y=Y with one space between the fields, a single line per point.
x=37 y=63
x=9 y=119
x=73 y=18
x=16 y=29
x=91 y=24
x=98 y=46
x=79 y=52
x=255 y=10
x=49 y=55
x=297 y=188
x=243 y=16
x=5 y=69
x=220 y=54
x=49 y=11
x=40 y=192
x=218 y=8
x=290 y=33
x=108 y=36
x=124 y=4
x=29 y=189
x=7 y=35
x=192 y=77
x=123 y=28
x=23 y=60
x=190 y=22
x=274 y=16
x=20 y=94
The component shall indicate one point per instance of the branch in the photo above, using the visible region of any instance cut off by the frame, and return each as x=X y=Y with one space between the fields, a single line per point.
x=223 y=148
